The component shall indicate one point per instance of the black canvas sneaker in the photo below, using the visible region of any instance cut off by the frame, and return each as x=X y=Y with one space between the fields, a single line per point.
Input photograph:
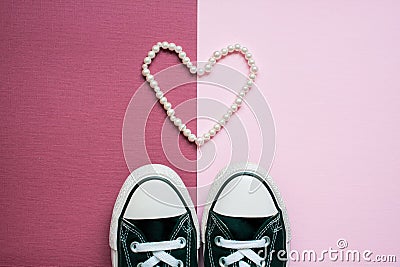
x=245 y=222
x=154 y=222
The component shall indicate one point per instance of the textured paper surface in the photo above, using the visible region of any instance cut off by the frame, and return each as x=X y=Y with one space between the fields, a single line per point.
x=68 y=70
x=329 y=70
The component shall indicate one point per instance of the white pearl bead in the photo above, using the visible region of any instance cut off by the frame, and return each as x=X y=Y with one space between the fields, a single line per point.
x=170 y=112
x=187 y=132
x=156 y=48
x=147 y=60
x=222 y=122
x=231 y=48
x=151 y=54
x=237 y=47
x=234 y=107
x=186 y=60
x=172 y=118
x=244 y=50
x=192 y=137
x=217 y=127
x=159 y=95
x=251 y=62
x=230 y=112
x=145 y=72
x=238 y=101
x=165 y=45
x=254 y=69
x=226 y=117
x=212 y=132
x=171 y=46
x=224 y=51
x=217 y=54
x=153 y=83
x=178 y=49
x=157 y=88
x=249 y=83
x=200 y=71
x=145 y=66
x=212 y=60
x=248 y=55
x=242 y=93
x=206 y=136
x=159 y=44
x=182 y=127
x=193 y=69
x=182 y=55
x=199 y=141
x=245 y=88
x=189 y=64
x=163 y=100
x=252 y=76
x=167 y=106
x=207 y=67
x=178 y=122
x=149 y=78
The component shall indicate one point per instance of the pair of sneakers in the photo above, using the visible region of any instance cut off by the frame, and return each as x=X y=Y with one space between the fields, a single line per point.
x=154 y=222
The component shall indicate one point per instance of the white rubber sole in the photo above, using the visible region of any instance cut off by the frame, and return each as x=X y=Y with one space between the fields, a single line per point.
x=136 y=177
x=231 y=170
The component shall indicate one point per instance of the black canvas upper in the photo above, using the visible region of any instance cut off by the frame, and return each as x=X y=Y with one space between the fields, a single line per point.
x=245 y=229
x=156 y=230
x=238 y=228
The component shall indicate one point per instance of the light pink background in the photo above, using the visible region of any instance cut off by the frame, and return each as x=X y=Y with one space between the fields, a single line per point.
x=330 y=71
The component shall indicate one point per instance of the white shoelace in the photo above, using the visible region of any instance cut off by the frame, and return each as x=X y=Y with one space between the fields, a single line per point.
x=244 y=250
x=158 y=250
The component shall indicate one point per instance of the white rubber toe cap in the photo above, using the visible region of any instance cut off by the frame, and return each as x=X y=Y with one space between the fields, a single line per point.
x=245 y=196
x=154 y=199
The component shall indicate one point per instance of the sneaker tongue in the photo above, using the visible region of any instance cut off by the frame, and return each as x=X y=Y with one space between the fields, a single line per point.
x=243 y=228
x=156 y=230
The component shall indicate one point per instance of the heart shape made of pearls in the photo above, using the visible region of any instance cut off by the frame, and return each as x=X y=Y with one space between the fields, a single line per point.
x=199 y=140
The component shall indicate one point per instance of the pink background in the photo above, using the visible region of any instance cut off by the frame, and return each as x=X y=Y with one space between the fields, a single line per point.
x=330 y=71
x=68 y=71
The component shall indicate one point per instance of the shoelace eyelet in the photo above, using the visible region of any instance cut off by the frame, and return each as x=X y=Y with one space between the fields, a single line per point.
x=182 y=241
x=222 y=262
x=139 y=264
x=267 y=240
x=180 y=264
x=263 y=253
x=217 y=240
x=262 y=263
x=134 y=246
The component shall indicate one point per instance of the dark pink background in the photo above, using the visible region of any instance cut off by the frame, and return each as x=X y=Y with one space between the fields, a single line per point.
x=68 y=71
